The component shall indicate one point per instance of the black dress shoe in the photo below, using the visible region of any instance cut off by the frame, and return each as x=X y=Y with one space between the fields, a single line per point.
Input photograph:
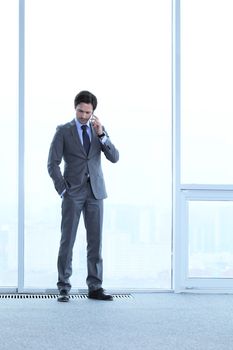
x=99 y=294
x=64 y=296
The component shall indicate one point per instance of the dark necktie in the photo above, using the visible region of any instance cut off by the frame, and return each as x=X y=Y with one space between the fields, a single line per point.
x=86 y=139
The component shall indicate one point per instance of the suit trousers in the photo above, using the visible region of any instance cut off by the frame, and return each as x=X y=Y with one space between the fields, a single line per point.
x=76 y=201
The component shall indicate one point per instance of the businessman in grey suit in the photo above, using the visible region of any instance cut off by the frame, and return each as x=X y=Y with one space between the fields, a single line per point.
x=80 y=144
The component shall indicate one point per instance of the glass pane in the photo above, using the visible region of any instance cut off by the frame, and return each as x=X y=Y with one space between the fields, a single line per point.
x=8 y=142
x=124 y=57
x=210 y=239
x=206 y=91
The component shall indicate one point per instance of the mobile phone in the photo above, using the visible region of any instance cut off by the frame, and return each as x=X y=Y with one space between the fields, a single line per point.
x=92 y=119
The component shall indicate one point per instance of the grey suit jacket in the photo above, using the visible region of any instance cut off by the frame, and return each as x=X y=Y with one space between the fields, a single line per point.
x=67 y=145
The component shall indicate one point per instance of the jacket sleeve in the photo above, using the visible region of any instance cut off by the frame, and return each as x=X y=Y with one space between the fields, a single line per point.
x=110 y=151
x=54 y=161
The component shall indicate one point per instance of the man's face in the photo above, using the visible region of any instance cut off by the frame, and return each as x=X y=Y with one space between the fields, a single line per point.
x=84 y=112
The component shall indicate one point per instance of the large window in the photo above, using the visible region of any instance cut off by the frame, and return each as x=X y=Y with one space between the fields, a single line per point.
x=121 y=51
x=8 y=142
x=205 y=190
x=206 y=91
x=210 y=239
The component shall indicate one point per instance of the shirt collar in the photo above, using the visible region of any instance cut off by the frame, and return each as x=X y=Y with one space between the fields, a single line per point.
x=79 y=125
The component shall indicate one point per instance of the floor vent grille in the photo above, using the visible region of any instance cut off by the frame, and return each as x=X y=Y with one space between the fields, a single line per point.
x=54 y=296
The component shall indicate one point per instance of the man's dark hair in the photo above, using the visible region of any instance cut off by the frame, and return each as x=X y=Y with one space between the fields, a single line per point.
x=85 y=97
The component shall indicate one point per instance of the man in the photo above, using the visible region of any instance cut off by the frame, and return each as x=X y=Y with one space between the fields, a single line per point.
x=80 y=143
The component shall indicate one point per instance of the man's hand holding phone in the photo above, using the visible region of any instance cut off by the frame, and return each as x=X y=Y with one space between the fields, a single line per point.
x=97 y=125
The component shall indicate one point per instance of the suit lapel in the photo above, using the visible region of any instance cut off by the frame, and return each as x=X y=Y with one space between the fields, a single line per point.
x=94 y=141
